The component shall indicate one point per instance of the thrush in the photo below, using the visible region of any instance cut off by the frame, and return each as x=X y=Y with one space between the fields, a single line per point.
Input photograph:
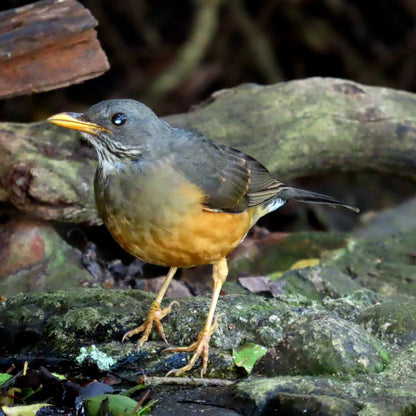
x=175 y=198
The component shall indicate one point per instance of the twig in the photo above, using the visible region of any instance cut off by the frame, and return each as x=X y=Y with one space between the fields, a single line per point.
x=204 y=29
x=260 y=46
x=184 y=381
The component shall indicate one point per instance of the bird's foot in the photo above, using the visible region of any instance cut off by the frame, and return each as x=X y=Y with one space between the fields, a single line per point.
x=200 y=347
x=154 y=316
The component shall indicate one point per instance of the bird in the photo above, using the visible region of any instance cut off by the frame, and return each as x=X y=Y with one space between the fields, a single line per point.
x=173 y=197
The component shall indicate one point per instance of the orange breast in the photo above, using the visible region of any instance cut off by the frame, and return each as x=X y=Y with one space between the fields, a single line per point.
x=198 y=239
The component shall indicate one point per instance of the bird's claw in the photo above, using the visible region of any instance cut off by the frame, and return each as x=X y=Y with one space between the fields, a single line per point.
x=154 y=316
x=200 y=348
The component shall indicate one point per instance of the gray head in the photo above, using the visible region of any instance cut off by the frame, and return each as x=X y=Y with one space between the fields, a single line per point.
x=120 y=128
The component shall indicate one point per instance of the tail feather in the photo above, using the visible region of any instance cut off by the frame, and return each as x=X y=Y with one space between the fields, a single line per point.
x=300 y=195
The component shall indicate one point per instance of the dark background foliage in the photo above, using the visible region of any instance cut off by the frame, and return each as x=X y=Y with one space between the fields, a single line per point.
x=248 y=41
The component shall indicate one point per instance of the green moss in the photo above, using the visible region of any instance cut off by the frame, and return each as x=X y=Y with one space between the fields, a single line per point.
x=393 y=321
x=258 y=259
x=384 y=355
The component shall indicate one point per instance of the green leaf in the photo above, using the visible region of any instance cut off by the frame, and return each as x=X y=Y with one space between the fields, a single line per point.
x=118 y=405
x=133 y=390
x=4 y=377
x=59 y=376
x=146 y=409
x=247 y=354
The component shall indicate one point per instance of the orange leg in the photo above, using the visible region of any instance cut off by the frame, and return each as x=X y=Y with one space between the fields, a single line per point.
x=155 y=314
x=201 y=345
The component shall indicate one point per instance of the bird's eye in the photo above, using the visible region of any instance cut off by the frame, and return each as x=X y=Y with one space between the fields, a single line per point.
x=118 y=119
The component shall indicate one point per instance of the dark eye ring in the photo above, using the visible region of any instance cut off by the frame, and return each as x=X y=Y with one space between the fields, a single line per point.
x=118 y=119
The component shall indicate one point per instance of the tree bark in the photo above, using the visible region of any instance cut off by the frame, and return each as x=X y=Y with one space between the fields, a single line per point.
x=46 y=45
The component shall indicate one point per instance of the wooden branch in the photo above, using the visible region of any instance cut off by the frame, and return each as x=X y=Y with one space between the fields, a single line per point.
x=312 y=126
x=299 y=128
x=46 y=45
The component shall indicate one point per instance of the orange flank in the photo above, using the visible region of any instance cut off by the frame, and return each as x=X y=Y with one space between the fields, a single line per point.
x=197 y=239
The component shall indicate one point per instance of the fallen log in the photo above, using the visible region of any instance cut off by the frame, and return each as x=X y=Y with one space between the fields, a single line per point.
x=296 y=129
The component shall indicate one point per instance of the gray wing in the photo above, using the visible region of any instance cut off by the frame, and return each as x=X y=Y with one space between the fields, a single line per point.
x=231 y=180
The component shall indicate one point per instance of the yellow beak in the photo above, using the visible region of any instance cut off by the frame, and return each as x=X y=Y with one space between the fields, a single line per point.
x=74 y=121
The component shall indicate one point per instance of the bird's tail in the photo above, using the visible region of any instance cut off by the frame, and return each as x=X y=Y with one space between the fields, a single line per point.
x=288 y=193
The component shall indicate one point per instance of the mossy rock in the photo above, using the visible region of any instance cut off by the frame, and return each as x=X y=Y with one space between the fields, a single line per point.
x=322 y=343
x=383 y=265
x=351 y=306
x=393 y=321
x=317 y=283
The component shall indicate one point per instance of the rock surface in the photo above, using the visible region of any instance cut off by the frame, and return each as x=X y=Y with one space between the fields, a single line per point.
x=335 y=347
